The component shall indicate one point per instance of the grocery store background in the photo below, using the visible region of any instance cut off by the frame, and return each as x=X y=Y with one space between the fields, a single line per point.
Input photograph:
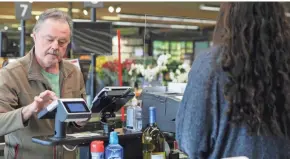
x=170 y=33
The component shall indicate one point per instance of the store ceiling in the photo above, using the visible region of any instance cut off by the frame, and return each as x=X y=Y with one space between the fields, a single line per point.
x=129 y=10
x=176 y=14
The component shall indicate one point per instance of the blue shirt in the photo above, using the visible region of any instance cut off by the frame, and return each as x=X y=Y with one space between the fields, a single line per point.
x=202 y=128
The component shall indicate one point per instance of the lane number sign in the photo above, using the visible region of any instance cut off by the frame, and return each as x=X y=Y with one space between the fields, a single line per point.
x=23 y=10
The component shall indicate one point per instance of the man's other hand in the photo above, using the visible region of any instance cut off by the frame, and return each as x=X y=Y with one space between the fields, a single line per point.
x=41 y=101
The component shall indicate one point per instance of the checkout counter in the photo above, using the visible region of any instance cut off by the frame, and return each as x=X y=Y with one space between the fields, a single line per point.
x=106 y=103
x=105 y=107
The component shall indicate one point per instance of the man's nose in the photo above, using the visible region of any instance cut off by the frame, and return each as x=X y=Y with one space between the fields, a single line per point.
x=54 y=45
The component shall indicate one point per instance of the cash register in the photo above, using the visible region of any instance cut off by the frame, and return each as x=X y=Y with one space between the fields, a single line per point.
x=108 y=101
x=166 y=103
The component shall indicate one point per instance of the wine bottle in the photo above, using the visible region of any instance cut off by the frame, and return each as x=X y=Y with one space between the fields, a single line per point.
x=153 y=140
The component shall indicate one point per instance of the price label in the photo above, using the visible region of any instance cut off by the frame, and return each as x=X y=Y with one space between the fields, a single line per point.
x=94 y=4
x=23 y=10
x=158 y=156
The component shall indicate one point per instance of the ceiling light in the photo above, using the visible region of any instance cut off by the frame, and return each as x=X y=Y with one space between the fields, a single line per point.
x=118 y=9
x=168 y=19
x=201 y=21
x=110 y=17
x=7 y=17
x=36 y=12
x=36 y=17
x=156 y=25
x=6 y=28
x=111 y=9
x=19 y=28
x=212 y=8
x=74 y=10
x=82 y=20
x=85 y=12
x=15 y=25
x=209 y=8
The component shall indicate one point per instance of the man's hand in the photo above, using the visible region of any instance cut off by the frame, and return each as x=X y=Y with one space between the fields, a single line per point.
x=43 y=100
x=40 y=102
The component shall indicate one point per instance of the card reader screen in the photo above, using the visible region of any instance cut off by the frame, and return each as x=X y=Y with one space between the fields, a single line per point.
x=76 y=107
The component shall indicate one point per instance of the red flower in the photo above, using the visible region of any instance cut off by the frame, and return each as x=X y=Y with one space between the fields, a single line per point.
x=113 y=65
x=110 y=66
x=127 y=64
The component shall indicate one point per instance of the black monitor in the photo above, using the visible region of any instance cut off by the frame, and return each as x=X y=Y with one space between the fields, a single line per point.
x=111 y=99
x=9 y=45
x=92 y=37
x=108 y=101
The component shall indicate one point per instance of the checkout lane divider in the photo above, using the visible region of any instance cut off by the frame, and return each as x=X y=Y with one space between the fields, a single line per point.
x=2 y=146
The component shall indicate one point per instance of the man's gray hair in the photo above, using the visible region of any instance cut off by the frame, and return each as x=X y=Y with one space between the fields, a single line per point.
x=52 y=14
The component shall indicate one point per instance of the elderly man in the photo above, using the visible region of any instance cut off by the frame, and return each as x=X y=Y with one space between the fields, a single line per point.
x=32 y=82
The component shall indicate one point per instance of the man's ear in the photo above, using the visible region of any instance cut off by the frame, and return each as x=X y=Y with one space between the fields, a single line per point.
x=34 y=36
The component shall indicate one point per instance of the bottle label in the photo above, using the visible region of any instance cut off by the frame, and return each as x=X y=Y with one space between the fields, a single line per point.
x=130 y=118
x=160 y=155
x=112 y=153
x=139 y=125
x=152 y=116
x=97 y=155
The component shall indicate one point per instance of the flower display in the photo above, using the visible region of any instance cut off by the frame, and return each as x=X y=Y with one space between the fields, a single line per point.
x=171 y=70
x=166 y=68
x=107 y=70
x=100 y=60
x=180 y=75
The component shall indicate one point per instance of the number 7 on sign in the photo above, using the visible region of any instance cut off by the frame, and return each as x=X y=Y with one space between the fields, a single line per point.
x=24 y=6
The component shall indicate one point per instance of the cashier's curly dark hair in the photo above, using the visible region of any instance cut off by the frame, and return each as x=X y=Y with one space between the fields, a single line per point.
x=256 y=56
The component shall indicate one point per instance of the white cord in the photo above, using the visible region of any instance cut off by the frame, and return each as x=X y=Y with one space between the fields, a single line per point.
x=66 y=148
x=144 y=38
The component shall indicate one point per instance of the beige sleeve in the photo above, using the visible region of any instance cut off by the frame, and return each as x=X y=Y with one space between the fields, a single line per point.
x=10 y=117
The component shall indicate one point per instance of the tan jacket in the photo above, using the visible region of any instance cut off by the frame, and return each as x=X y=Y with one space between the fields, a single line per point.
x=20 y=82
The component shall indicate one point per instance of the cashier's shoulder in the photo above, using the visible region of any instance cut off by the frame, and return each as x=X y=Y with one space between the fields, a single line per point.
x=214 y=52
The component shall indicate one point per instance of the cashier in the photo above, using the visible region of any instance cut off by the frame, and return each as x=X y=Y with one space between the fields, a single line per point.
x=32 y=82
x=237 y=100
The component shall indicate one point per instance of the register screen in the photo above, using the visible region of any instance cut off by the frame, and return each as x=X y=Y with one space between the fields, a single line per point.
x=76 y=107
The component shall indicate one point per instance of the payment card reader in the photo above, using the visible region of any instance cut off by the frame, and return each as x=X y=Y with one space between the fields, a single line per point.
x=63 y=111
